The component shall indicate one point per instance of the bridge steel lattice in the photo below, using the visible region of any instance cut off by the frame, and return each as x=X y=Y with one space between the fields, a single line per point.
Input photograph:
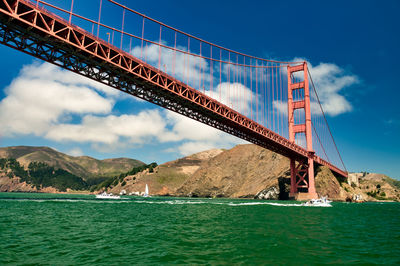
x=29 y=27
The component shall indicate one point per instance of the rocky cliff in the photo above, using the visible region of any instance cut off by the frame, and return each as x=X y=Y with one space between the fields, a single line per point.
x=243 y=171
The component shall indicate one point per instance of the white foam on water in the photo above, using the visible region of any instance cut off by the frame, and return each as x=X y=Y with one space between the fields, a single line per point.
x=69 y=200
x=265 y=203
x=171 y=202
x=273 y=204
x=182 y=202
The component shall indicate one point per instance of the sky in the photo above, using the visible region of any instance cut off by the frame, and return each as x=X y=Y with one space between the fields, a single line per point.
x=352 y=47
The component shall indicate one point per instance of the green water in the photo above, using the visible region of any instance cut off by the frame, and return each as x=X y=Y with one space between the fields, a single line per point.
x=79 y=230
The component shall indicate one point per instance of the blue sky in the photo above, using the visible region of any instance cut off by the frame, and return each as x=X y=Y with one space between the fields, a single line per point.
x=361 y=38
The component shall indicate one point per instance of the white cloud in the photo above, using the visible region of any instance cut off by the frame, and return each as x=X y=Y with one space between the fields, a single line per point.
x=185 y=128
x=194 y=147
x=64 y=107
x=75 y=152
x=111 y=129
x=235 y=95
x=110 y=133
x=281 y=106
x=330 y=81
x=41 y=96
x=49 y=72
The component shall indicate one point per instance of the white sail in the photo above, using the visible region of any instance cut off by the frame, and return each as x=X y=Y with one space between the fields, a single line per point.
x=146 y=191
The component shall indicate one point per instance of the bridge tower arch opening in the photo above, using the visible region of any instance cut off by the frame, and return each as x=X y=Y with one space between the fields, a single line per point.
x=302 y=182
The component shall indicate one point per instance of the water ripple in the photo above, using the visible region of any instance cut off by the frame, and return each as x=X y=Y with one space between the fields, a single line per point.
x=80 y=230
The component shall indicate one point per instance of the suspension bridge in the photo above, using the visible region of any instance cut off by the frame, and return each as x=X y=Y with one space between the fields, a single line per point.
x=273 y=104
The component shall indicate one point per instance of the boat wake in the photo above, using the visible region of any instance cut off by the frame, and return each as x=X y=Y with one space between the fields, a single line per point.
x=167 y=202
x=182 y=202
x=266 y=203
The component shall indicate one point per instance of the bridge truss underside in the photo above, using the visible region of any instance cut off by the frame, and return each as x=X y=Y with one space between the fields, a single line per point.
x=48 y=37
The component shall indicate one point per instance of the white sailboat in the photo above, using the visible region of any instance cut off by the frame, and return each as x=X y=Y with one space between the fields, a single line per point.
x=146 y=192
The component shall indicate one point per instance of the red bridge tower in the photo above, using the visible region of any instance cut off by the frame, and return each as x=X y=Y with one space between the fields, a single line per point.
x=302 y=185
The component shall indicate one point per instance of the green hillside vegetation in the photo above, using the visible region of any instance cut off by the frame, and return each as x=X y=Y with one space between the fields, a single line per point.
x=40 y=174
x=169 y=176
x=393 y=182
x=14 y=166
x=113 y=181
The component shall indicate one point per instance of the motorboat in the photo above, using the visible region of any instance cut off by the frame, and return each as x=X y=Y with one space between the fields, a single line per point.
x=321 y=202
x=105 y=195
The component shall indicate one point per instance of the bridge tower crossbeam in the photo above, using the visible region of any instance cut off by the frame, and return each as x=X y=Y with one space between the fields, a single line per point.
x=302 y=182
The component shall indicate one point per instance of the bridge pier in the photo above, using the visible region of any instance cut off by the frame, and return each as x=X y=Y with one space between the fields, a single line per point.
x=302 y=183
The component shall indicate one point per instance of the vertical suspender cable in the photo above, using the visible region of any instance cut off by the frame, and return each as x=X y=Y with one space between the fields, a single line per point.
x=220 y=73
x=245 y=85
x=70 y=13
x=188 y=67
x=273 y=97
x=211 y=72
x=265 y=96
x=268 y=93
x=257 y=91
x=141 y=49
x=251 y=89
x=229 y=102
x=122 y=29
x=159 y=50
x=280 y=80
x=201 y=69
x=174 y=62
x=237 y=82
x=98 y=21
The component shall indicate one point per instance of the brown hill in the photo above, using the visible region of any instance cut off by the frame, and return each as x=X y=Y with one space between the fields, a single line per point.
x=243 y=171
x=82 y=166
x=372 y=186
x=251 y=171
x=168 y=177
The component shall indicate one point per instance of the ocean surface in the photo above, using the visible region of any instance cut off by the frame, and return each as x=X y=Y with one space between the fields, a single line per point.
x=55 y=229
